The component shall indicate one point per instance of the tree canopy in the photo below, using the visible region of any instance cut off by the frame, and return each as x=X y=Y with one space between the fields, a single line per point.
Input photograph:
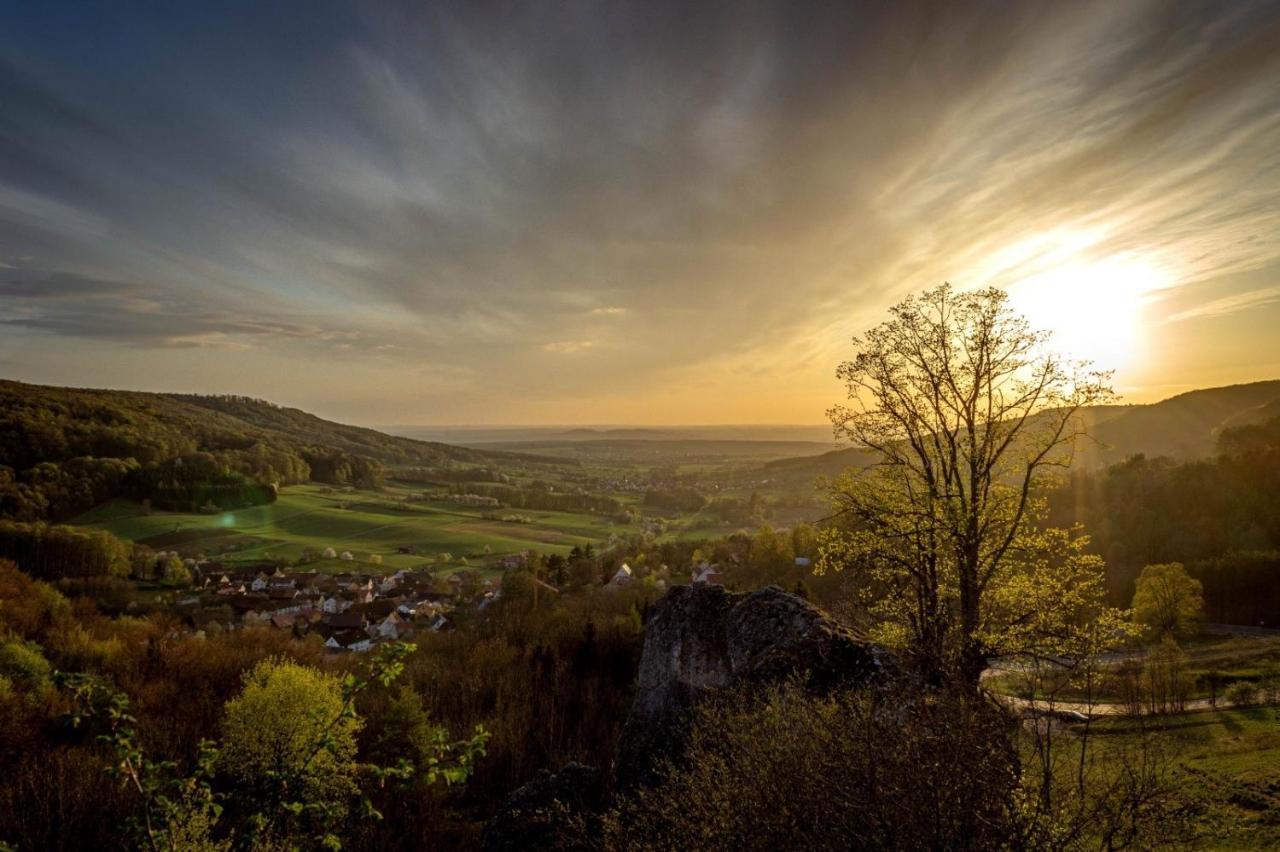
x=1168 y=601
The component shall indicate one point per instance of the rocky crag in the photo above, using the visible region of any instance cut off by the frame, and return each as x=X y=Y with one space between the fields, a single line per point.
x=699 y=641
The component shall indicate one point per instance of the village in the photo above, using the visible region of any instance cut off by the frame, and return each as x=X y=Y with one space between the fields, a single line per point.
x=355 y=611
x=352 y=611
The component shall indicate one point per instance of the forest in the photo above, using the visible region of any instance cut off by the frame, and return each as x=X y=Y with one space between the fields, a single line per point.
x=1219 y=516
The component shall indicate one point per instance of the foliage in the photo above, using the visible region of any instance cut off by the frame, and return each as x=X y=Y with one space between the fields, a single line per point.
x=541 y=498
x=287 y=739
x=288 y=749
x=865 y=769
x=1242 y=693
x=1167 y=601
x=52 y=552
x=1219 y=517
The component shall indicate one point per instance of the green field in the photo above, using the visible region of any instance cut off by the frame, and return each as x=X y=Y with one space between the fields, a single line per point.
x=1227 y=768
x=365 y=523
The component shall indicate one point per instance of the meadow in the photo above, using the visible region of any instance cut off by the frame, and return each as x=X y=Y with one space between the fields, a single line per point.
x=1226 y=765
x=367 y=524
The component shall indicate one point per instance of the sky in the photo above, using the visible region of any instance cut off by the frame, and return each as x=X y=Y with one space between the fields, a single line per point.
x=642 y=213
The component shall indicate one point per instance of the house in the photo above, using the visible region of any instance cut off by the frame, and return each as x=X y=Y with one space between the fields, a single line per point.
x=260 y=582
x=622 y=577
x=349 y=640
x=388 y=628
x=709 y=575
x=803 y=562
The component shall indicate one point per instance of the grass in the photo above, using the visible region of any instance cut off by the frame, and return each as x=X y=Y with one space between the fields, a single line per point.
x=1228 y=770
x=365 y=523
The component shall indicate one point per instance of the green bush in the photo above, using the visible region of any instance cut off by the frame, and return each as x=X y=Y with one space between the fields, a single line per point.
x=1242 y=693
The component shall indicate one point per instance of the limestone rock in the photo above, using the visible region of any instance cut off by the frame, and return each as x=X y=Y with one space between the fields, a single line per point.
x=701 y=639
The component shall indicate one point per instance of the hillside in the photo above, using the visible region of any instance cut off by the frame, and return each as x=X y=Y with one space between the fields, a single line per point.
x=1182 y=427
x=64 y=450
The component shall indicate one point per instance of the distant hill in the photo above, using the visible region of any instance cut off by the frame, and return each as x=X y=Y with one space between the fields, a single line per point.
x=481 y=436
x=1183 y=427
x=1186 y=426
x=62 y=450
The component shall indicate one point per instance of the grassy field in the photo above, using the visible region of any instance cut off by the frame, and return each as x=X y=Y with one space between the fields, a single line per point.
x=1227 y=769
x=365 y=523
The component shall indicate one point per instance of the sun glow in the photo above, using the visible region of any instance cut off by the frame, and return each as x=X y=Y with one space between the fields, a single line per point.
x=1094 y=309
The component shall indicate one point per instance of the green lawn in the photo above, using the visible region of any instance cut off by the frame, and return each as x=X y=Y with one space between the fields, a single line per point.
x=364 y=523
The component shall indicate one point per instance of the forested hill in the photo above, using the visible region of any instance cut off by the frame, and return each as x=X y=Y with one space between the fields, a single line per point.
x=307 y=428
x=1183 y=427
x=63 y=450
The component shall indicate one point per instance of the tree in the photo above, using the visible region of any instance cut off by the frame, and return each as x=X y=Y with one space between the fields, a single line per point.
x=770 y=559
x=968 y=413
x=1168 y=601
x=286 y=738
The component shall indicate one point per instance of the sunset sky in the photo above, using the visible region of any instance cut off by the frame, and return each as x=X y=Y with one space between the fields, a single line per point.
x=601 y=212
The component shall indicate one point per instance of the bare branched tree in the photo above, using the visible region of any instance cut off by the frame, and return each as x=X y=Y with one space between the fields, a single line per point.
x=967 y=413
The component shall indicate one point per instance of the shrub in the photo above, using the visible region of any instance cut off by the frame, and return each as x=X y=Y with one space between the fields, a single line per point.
x=1242 y=693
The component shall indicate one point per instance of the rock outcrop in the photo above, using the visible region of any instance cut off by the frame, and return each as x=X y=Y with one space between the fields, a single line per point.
x=701 y=640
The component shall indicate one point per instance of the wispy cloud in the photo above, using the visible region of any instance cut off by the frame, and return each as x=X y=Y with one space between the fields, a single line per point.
x=567 y=347
x=1228 y=305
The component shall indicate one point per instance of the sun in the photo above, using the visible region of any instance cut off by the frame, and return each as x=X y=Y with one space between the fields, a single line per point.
x=1094 y=309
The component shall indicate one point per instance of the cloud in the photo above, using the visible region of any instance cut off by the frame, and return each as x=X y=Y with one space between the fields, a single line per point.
x=567 y=347
x=1228 y=305
x=73 y=305
x=608 y=312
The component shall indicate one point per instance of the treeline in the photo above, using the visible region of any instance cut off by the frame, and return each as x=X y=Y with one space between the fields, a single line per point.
x=426 y=475
x=1241 y=587
x=63 y=451
x=1220 y=517
x=189 y=483
x=537 y=498
x=675 y=499
x=57 y=552
x=335 y=467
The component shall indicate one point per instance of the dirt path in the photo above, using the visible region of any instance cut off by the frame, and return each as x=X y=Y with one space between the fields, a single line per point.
x=1092 y=711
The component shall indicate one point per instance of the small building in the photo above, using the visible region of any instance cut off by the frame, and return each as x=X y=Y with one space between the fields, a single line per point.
x=708 y=575
x=622 y=577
